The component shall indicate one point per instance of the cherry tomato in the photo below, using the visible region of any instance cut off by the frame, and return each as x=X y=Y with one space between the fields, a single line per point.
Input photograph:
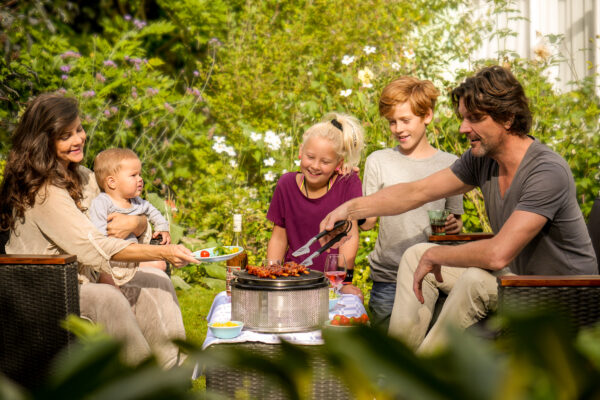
x=364 y=318
x=204 y=253
x=344 y=320
x=337 y=317
x=335 y=322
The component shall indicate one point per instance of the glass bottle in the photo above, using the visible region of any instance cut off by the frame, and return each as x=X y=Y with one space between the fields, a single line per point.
x=240 y=261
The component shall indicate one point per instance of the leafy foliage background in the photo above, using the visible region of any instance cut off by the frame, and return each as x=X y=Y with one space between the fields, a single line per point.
x=215 y=95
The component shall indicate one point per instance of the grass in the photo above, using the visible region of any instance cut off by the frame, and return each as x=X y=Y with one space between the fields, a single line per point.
x=195 y=304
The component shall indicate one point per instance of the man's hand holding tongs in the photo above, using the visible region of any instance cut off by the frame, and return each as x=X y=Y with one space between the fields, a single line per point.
x=339 y=214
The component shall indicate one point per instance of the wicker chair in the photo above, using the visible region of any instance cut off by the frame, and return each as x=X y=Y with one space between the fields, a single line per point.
x=36 y=294
x=577 y=296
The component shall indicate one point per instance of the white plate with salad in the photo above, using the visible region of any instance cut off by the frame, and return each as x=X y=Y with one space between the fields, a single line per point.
x=218 y=253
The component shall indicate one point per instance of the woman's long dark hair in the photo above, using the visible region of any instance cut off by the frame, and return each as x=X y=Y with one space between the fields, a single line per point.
x=32 y=161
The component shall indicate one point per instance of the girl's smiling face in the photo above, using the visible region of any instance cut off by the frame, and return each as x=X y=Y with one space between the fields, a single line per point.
x=318 y=161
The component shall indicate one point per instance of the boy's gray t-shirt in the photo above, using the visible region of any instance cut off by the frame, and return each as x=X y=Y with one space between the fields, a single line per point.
x=399 y=232
x=542 y=185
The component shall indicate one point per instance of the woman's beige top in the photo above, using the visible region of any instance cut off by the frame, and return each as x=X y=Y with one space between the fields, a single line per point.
x=54 y=225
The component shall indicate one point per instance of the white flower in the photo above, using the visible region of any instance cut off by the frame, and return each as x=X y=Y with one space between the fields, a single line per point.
x=287 y=140
x=230 y=151
x=409 y=54
x=542 y=50
x=369 y=49
x=270 y=176
x=255 y=136
x=395 y=66
x=272 y=140
x=269 y=162
x=345 y=93
x=347 y=60
x=367 y=239
x=297 y=162
x=284 y=171
x=382 y=144
x=219 y=139
x=367 y=85
x=233 y=163
x=365 y=76
x=219 y=147
x=252 y=193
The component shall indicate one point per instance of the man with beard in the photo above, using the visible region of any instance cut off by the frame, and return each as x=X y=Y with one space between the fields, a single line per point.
x=530 y=200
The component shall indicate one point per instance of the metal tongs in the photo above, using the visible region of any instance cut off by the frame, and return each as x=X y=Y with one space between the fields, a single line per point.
x=306 y=248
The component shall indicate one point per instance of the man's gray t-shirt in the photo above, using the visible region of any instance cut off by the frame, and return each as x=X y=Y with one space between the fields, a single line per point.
x=397 y=233
x=544 y=185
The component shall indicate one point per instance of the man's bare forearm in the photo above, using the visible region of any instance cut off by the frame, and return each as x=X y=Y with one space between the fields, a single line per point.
x=392 y=200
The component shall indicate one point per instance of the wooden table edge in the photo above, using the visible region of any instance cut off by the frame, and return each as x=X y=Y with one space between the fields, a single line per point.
x=33 y=259
x=549 y=280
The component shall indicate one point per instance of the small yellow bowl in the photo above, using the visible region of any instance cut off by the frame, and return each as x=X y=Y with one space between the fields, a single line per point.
x=223 y=331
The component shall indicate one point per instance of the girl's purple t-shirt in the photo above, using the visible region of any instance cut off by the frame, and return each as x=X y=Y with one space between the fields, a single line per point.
x=301 y=216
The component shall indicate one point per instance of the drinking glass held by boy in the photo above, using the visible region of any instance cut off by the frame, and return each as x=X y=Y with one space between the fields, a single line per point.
x=118 y=173
x=329 y=151
x=407 y=103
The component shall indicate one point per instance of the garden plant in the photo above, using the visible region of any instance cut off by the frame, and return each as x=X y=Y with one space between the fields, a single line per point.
x=214 y=96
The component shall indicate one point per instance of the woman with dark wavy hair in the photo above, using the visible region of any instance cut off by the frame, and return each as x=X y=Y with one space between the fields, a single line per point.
x=43 y=199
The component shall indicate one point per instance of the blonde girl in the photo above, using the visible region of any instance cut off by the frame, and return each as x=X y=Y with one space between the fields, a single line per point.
x=330 y=150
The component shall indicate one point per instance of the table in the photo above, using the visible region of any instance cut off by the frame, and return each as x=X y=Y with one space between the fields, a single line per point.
x=226 y=381
x=460 y=238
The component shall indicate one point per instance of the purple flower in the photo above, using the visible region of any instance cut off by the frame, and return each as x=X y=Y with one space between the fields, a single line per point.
x=70 y=53
x=110 y=63
x=169 y=164
x=64 y=77
x=65 y=68
x=134 y=92
x=127 y=17
x=127 y=123
x=126 y=58
x=169 y=107
x=196 y=73
x=100 y=77
x=89 y=93
x=114 y=110
x=107 y=113
x=62 y=90
x=139 y=24
x=151 y=91
x=193 y=91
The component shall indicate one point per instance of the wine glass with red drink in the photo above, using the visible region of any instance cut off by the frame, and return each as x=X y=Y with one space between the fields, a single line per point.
x=335 y=269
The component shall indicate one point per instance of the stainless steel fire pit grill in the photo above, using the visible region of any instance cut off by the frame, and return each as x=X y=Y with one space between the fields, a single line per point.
x=285 y=304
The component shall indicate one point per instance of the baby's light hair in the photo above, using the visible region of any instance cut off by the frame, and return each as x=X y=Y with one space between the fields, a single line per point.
x=345 y=133
x=109 y=162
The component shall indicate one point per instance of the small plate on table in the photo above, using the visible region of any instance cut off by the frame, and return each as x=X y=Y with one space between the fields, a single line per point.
x=210 y=255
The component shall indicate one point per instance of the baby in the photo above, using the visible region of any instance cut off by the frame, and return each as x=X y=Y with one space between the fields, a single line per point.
x=118 y=173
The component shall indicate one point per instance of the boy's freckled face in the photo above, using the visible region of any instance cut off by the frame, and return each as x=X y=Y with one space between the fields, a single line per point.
x=408 y=129
x=318 y=161
x=129 y=182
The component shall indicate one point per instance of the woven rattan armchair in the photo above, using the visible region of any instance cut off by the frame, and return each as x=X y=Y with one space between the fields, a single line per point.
x=576 y=296
x=36 y=294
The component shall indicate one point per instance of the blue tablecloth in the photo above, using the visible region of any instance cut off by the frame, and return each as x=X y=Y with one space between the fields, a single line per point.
x=220 y=311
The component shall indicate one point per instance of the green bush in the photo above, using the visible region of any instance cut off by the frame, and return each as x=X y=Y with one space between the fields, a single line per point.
x=214 y=96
